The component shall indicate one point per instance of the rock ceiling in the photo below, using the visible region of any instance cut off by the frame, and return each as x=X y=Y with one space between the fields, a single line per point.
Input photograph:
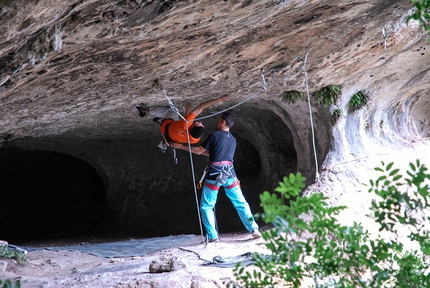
x=72 y=72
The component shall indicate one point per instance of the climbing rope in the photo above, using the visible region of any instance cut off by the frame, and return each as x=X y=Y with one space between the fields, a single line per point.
x=194 y=182
x=310 y=114
x=240 y=103
x=172 y=106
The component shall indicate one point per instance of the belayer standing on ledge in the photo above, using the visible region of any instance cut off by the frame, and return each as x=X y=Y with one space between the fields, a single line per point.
x=220 y=146
x=176 y=131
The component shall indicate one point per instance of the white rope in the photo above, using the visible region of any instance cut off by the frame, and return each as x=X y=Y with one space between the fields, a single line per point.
x=172 y=106
x=310 y=113
x=222 y=111
x=249 y=98
x=384 y=34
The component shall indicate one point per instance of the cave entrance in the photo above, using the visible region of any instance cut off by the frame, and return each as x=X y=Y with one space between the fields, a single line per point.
x=48 y=196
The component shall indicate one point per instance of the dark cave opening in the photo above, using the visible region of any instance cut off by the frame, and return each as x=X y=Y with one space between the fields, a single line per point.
x=47 y=196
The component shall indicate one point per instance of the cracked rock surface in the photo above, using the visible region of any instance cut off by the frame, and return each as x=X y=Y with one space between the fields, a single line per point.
x=74 y=148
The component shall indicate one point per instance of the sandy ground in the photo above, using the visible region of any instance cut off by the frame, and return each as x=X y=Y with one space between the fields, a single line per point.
x=64 y=268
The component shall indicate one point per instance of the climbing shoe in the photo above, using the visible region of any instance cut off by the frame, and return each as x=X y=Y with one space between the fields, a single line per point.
x=163 y=146
x=256 y=234
x=143 y=109
x=215 y=240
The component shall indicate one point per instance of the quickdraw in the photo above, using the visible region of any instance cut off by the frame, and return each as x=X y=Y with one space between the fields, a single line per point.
x=384 y=34
x=175 y=159
x=199 y=185
x=264 y=81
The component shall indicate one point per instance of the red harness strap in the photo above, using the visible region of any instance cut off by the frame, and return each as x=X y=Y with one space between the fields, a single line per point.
x=233 y=184
x=216 y=187
x=211 y=186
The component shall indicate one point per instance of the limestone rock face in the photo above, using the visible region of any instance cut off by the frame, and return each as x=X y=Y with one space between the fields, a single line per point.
x=72 y=73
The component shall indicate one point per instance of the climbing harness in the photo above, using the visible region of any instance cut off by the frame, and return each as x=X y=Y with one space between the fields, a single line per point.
x=222 y=170
x=308 y=49
x=166 y=135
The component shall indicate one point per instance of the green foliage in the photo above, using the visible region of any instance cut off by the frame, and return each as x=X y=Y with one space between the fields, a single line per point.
x=327 y=95
x=358 y=100
x=307 y=242
x=292 y=96
x=9 y=284
x=335 y=116
x=421 y=14
x=155 y=85
x=6 y=253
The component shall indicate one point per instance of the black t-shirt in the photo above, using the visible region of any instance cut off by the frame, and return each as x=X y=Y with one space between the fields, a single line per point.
x=221 y=146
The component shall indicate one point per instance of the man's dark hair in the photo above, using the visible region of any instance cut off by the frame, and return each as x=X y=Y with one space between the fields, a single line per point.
x=229 y=120
x=197 y=131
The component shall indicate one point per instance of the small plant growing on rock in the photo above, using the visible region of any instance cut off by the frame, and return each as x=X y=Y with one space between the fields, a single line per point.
x=292 y=96
x=337 y=113
x=327 y=95
x=9 y=284
x=6 y=253
x=358 y=100
x=155 y=85
x=308 y=243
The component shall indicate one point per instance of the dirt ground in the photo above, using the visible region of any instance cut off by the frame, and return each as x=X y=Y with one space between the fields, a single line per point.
x=64 y=268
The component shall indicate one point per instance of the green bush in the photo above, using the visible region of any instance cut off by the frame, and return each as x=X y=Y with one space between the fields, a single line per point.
x=307 y=241
x=358 y=100
x=6 y=253
x=327 y=95
x=9 y=284
x=421 y=14
x=292 y=96
x=337 y=113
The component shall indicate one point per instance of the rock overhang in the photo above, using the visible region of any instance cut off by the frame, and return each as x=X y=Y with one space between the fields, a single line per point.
x=79 y=97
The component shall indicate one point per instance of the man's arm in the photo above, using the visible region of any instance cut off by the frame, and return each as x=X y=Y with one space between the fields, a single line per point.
x=199 y=150
x=209 y=103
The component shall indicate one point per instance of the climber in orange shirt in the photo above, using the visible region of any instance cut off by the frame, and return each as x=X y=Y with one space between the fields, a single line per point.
x=176 y=131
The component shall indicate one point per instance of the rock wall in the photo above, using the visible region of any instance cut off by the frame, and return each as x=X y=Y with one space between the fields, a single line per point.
x=71 y=74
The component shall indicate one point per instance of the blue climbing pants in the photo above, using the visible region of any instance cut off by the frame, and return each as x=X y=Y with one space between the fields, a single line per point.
x=233 y=191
